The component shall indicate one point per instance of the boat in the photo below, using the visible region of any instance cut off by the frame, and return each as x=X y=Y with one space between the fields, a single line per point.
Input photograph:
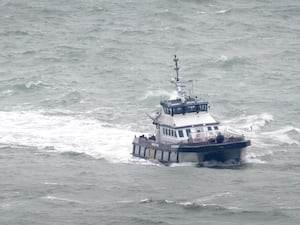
x=185 y=131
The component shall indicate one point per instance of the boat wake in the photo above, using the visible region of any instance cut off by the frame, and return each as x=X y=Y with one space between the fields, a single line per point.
x=63 y=132
x=67 y=133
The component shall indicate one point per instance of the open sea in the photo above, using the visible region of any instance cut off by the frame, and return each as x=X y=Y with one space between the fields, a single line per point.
x=78 y=76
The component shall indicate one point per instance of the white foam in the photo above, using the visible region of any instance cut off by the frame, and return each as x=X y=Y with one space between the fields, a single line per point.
x=213 y=196
x=125 y=201
x=251 y=126
x=169 y=201
x=6 y=93
x=222 y=11
x=5 y=205
x=265 y=143
x=284 y=136
x=222 y=58
x=183 y=164
x=53 y=198
x=32 y=84
x=159 y=93
x=251 y=122
x=50 y=183
x=254 y=158
x=146 y=200
x=67 y=133
x=203 y=200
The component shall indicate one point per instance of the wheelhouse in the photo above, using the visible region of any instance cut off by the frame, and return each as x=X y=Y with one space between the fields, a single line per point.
x=190 y=105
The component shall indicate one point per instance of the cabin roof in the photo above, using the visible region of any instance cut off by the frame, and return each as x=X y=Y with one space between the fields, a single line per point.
x=193 y=119
x=178 y=102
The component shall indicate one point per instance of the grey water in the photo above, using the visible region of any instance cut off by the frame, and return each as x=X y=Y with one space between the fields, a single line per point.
x=77 y=77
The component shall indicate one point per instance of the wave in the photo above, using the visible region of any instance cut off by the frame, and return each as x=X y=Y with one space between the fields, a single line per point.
x=197 y=201
x=33 y=84
x=5 y=205
x=222 y=11
x=53 y=198
x=286 y=135
x=25 y=86
x=251 y=122
x=255 y=158
x=263 y=143
x=15 y=33
x=225 y=61
x=214 y=207
x=7 y=93
x=203 y=203
x=70 y=98
x=67 y=133
x=20 y=87
x=134 y=32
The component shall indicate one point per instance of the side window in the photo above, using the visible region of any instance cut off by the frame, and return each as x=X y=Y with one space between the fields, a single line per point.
x=188 y=131
x=216 y=127
x=180 y=133
x=209 y=128
x=164 y=130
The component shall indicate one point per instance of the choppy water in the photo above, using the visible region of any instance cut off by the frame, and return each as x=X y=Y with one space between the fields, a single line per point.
x=76 y=78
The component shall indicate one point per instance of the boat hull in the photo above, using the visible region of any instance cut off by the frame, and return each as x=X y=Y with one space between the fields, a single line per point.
x=190 y=152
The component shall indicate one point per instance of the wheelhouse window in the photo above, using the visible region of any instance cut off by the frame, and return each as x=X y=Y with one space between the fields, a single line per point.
x=190 y=108
x=216 y=127
x=209 y=128
x=178 y=110
x=203 y=107
x=167 y=110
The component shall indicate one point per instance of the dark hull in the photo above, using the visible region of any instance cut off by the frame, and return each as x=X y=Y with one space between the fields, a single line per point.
x=190 y=152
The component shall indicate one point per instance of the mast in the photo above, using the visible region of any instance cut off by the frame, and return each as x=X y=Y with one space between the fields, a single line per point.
x=178 y=84
x=176 y=68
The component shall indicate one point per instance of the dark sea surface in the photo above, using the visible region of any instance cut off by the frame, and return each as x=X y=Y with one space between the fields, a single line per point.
x=77 y=77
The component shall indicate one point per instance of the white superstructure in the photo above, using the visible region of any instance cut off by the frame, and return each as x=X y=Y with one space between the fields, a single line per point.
x=180 y=119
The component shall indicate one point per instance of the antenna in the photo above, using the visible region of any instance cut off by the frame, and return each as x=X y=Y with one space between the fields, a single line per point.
x=176 y=67
x=179 y=85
